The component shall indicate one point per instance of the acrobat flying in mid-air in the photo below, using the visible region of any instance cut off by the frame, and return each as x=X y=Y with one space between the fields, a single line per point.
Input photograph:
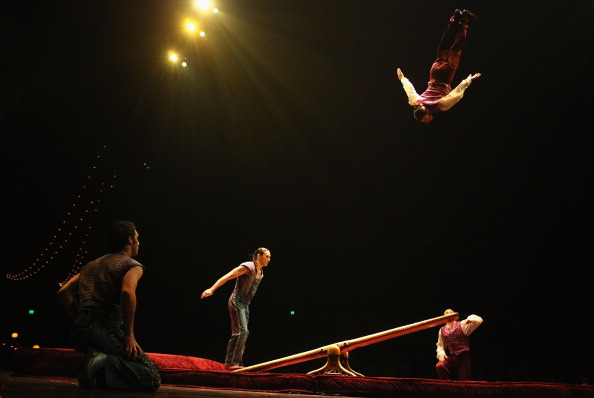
x=439 y=96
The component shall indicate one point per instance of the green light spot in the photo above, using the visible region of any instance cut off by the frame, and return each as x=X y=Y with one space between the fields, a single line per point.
x=292 y=312
x=31 y=312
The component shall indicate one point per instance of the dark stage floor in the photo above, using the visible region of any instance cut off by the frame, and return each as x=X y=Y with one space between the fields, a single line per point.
x=38 y=387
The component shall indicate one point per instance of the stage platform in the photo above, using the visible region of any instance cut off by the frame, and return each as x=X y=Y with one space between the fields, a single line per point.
x=52 y=373
x=12 y=386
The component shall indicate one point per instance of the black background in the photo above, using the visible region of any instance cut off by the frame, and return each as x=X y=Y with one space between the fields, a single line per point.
x=289 y=129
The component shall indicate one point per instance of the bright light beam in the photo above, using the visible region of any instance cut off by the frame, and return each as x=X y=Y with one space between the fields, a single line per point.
x=173 y=57
x=203 y=4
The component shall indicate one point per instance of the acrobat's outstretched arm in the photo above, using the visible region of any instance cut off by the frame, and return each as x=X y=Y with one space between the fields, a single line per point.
x=456 y=94
x=411 y=93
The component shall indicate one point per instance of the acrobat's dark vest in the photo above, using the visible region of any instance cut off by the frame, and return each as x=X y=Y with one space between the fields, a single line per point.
x=455 y=340
x=434 y=93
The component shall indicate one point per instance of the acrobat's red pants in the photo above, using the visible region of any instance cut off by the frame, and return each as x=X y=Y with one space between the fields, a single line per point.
x=455 y=367
x=449 y=51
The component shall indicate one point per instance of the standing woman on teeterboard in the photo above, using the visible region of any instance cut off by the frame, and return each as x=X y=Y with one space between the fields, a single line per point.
x=248 y=276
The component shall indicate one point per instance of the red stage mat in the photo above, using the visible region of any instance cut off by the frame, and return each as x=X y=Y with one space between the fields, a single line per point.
x=191 y=371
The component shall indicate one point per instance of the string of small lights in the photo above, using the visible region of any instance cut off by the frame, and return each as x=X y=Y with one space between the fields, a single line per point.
x=74 y=230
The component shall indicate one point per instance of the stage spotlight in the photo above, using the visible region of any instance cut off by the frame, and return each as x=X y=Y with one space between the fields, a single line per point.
x=173 y=57
x=203 y=4
x=184 y=64
x=191 y=26
x=202 y=34
x=14 y=335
